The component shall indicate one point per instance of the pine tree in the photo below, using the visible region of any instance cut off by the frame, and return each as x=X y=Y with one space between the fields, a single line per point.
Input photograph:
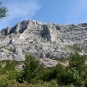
x=3 y=11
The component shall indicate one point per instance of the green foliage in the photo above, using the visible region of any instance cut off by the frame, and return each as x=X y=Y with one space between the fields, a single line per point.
x=10 y=65
x=8 y=74
x=52 y=83
x=78 y=68
x=77 y=61
x=25 y=84
x=53 y=73
x=4 y=82
x=71 y=77
x=32 y=69
x=34 y=74
x=3 y=11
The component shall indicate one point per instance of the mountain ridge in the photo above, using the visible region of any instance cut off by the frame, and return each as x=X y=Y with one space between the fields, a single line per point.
x=43 y=40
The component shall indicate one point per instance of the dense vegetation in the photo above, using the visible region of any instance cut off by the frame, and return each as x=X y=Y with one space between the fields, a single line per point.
x=33 y=74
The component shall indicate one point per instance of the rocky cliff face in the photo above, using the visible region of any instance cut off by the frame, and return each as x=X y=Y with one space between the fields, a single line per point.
x=42 y=40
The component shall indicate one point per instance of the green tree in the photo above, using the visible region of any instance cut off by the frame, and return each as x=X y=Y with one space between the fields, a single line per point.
x=54 y=72
x=71 y=77
x=76 y=71
x=3 y=11
x=32 y=69
x=77 y=61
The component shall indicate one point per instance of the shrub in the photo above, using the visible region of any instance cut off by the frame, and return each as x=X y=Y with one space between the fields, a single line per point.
x=10 y=65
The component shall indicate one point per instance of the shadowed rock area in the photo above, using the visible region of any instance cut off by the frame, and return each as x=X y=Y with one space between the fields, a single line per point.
x=42 y=40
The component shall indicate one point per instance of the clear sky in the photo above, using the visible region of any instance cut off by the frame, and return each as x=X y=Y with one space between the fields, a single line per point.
x=55 y=11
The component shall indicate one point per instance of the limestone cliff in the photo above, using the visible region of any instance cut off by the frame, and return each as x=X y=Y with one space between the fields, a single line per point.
x=43 y=40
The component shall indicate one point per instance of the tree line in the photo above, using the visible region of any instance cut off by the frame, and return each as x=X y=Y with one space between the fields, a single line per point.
x=33 y=74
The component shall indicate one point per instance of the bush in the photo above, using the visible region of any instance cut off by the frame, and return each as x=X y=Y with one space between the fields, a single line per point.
x=4 y=82
x=10 y=65
x=52 y=83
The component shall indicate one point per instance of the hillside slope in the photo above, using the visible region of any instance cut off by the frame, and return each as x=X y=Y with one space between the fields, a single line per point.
x=43 y=40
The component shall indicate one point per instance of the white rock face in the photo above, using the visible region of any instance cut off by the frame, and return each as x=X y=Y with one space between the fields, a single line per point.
x=42 y=40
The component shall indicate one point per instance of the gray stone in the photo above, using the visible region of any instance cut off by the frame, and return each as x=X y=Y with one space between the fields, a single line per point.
x=42 y=40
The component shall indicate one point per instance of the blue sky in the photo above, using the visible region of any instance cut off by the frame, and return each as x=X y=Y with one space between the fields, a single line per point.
x=55 y=11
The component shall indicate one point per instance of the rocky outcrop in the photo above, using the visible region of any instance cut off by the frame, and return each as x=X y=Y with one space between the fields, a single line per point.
x=46 y=62
x=42 y=40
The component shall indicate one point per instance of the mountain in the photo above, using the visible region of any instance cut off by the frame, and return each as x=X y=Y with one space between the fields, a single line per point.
x=42 y=40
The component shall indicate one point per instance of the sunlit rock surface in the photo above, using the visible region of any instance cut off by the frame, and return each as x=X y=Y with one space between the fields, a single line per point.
x=42 y=40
